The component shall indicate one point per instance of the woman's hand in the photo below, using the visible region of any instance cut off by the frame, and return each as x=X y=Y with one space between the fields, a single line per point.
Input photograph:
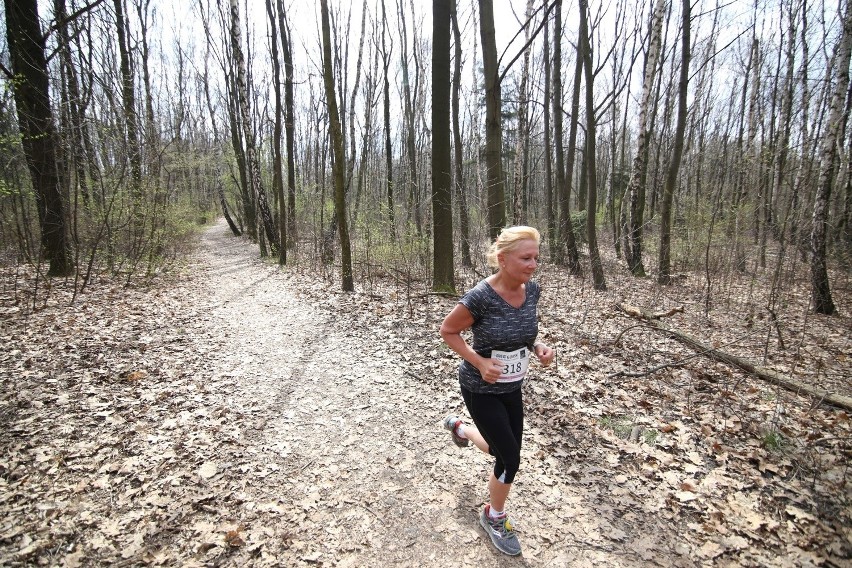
x=544 y=353
x=490 y=369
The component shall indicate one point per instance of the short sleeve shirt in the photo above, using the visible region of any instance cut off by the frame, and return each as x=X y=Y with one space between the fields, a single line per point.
x=498 y=325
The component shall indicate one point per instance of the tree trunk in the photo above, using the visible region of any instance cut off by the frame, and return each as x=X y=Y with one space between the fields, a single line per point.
x=493 y=122
x=664 y=276
x=38 y=134
x=567 y=241
x=821 y=289
x=76 y=121
x=277 y=161
x=353 y=98
x=552 y=241
x=458 y=158
x=636 y=185
x=289 y=122
x=223 y=203
x=339 y=161
x=522 y=140
x=252 y=159
x=442 y=209
x=249 y=211
x=591 y=166
x=763 y=373
x=413 y=195
x=387 y=126
x=131 y=118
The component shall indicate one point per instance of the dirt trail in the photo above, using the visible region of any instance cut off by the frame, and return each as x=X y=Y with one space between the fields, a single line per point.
x=357 y=469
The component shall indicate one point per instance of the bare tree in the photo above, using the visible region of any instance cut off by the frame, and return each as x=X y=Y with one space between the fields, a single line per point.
x=252 y=159
x=131 y=118
x=277 y=160
x=664 y=276
x=585 y=52
x=339 y=162
x=522 y=140
x=38 y=130
x=567 y=242
x=493 y=121
x=409 y=118
x=550 y=202
x=386 y=53
x=820 y=286
x=442 y=210
x=638 y=174
x=458 y=160
x=289 y=121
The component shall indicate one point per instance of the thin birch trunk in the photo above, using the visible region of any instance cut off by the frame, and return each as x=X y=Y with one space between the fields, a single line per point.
x=821 y=289
x=638 y=174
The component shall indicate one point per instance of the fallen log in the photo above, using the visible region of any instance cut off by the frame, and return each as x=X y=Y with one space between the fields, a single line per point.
x=769 y=375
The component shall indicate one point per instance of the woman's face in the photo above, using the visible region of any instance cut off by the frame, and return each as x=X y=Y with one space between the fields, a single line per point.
x=520 y=262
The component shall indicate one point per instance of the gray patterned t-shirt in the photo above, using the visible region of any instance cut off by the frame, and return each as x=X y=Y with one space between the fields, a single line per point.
x=498 y=325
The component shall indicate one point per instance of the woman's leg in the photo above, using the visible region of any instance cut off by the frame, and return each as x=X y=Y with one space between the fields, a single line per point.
x=471 y=432
x=498 y=492
x=499 y=428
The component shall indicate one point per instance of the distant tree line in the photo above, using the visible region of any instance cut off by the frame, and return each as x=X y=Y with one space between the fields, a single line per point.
x=666 y=137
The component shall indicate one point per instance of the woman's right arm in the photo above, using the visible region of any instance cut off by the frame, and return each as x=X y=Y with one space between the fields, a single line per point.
x=458 y=320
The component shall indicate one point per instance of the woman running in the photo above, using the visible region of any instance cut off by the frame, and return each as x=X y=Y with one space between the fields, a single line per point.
x=501 y=311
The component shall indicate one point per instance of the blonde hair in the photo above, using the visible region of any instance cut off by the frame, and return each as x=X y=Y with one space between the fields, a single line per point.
x=508 y=239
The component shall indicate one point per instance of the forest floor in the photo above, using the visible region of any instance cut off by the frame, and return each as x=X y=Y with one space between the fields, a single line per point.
x=236 y=414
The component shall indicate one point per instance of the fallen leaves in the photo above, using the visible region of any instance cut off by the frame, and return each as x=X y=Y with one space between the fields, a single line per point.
x=134 y=432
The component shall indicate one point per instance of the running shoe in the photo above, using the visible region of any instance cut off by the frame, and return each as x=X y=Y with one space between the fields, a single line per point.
x=501 y=532
x=452 y=422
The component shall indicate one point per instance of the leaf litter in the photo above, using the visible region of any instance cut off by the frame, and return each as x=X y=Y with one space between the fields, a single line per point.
x=231 y=413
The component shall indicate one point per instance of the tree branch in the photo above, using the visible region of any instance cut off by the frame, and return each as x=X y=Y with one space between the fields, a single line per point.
x=527 y=44
x=763 y=373
x=70 y=17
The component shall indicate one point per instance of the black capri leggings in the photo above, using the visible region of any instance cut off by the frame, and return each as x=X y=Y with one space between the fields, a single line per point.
x=500 y=419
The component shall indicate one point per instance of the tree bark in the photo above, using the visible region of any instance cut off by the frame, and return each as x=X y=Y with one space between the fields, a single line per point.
x=253 y=162
x=493 y=122
x=442 y=210
x=38 y=130
x=458 y=157
x=664 y=276
x=339 y=163
x=567 y=241
x=820 y=286
x=638 y=174
x=591 y=167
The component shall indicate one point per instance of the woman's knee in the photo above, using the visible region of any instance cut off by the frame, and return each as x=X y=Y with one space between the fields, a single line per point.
x=506 y=468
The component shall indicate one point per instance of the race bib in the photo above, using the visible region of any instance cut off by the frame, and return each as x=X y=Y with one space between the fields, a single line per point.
x=515 y=364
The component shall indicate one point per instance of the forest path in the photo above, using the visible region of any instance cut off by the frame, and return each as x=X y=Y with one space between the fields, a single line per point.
x=345 y=442
x=354 y=467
